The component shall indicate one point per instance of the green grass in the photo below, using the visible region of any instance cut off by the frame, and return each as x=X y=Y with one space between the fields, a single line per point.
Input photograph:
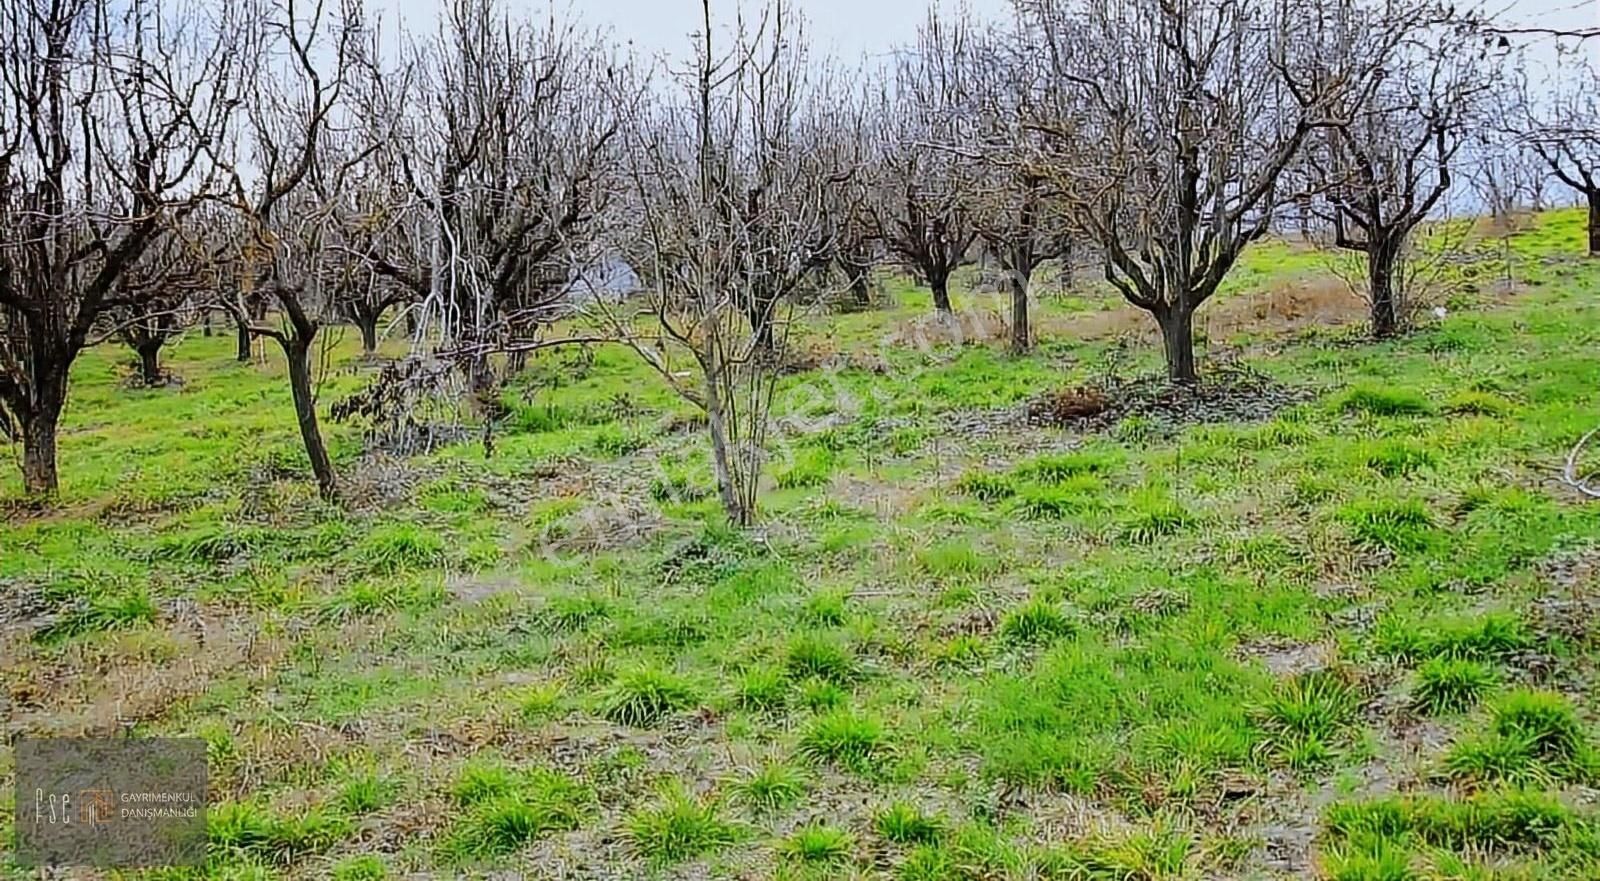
x=677 y=827
x=948 y=629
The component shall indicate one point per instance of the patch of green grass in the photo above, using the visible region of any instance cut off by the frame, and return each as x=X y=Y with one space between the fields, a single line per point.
x=819 y=844
x=1451 y=685
x=1397 y=524
x=986 y=486
x=677 y=827
x=1398 y=457
x=400 y=547
x=114 y=609
x=366 y=793
x=540 y=702
x=1385 y=401
x=1481 y=636
x=955 y=559
x=1534 y=738
x=763 y=689
x=1062 y=467
x=1152 y=516
x=772 y=786
x=820 y=656
x=1470 y=402
x=1305 y=716
x=366 y=867
x=905 y=823
x=845 y=737
x=1035 y=621
x=642 y=696
x=1059 y=501
x=248 y=829
x=812 y=466
x=507 y=810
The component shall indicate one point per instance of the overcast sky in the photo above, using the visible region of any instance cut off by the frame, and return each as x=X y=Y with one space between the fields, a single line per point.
x=851 y=28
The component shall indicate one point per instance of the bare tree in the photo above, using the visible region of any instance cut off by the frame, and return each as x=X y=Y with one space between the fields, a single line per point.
x=302 y=157
x=1385 y=161
x=1013 y=210
x=162 y=293
x=504 y=178
x=1166 y=126
x=1560 y=123
x=105 y=114
x=731 y=209
x=925 y=212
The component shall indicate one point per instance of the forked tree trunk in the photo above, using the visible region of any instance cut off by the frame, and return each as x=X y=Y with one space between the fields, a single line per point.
x=940 y=282
x=1177 y=340
x=1380 y=283
x=298 y=353
x=367 y=321
x=1594 y=223
x=242 y=352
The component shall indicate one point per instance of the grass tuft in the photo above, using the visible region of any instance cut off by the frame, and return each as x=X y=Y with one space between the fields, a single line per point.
x=1451 y=685
x=642 y=696
x=677 y=827
x=819 y=845
x=844 y=737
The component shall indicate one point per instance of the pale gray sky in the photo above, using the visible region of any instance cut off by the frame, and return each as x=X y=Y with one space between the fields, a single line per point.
x=850 y=28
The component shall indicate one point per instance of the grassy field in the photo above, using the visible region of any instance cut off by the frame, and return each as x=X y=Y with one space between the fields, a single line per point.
x=1354 y=639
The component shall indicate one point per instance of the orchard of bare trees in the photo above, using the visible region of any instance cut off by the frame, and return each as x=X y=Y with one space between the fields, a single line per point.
x=301 y=164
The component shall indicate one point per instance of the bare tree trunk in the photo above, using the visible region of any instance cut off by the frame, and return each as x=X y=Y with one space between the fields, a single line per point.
x=206 y=322
x=860 y=288
x=940 y=282
x=1594 y=223
x=298 y=353
x=39 y=477
x=1177 y=339
x=367 y=321
x=716 y=422
x=150 y=361
x=1380 y=282
x=242 y=352
x=1021 y=334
